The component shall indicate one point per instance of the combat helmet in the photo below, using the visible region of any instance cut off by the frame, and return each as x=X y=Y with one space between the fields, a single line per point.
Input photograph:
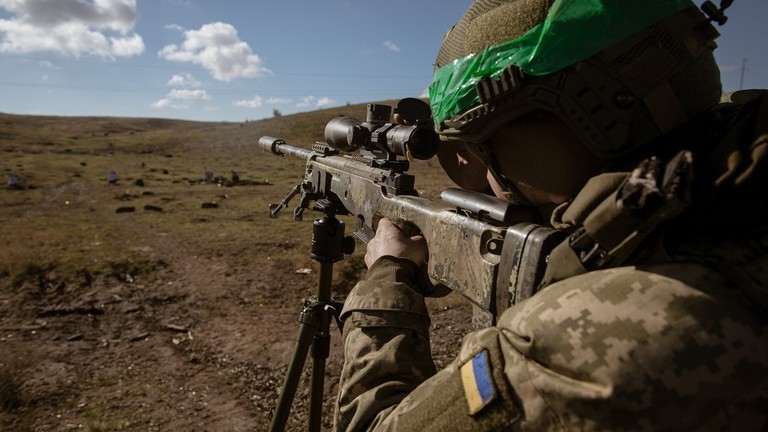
x=618 y=73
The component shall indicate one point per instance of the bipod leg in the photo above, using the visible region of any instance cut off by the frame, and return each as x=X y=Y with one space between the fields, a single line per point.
x=307 y=329
x=321 y=346
x=328 y=246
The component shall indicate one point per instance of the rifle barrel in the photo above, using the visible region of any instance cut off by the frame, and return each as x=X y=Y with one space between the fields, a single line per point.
x=279 y=147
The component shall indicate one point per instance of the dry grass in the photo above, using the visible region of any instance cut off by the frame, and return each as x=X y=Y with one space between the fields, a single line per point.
x=66 y=220
x=90 y=291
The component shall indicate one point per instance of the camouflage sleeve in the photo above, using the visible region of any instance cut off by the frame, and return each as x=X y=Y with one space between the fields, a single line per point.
x=673 y=347
x=668 y=347
x=386 y=344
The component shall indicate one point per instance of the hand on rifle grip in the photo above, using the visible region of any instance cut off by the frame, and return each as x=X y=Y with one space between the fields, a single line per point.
x=392 y=241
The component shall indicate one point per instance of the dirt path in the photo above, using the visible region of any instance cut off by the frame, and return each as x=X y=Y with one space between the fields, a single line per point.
x=190 y=346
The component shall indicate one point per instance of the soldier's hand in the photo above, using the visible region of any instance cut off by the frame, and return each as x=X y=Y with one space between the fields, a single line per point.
x=390 y=241
x=400 y=120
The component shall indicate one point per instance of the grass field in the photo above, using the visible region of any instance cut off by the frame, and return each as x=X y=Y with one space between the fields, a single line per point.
x=179 y=314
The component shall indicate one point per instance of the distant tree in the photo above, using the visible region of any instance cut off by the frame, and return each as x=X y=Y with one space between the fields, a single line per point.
x=276 y=113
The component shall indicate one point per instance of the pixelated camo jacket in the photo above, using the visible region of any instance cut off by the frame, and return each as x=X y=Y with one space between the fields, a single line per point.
x=677 y=341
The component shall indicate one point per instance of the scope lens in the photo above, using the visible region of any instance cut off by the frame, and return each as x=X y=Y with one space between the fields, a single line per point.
x=422 y=141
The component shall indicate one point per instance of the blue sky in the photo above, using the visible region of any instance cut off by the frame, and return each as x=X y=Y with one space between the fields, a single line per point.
x=234 y=60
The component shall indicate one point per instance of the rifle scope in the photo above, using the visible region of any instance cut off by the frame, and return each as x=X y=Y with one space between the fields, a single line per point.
x=348 y=134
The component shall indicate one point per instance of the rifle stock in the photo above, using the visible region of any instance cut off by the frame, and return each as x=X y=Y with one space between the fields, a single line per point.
x=484 y=249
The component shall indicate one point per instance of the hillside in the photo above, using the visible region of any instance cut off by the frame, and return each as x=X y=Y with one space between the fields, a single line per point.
x=161 y=302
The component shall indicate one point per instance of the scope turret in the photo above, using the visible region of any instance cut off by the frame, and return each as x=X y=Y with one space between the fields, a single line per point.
x=381 y=138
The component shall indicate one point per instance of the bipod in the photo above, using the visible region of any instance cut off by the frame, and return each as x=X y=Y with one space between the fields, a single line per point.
x=328 y=246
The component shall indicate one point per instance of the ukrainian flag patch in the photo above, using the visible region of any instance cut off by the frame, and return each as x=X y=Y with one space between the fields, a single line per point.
x=478 y=382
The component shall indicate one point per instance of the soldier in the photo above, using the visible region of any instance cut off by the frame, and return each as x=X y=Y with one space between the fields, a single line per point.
x=605 y=116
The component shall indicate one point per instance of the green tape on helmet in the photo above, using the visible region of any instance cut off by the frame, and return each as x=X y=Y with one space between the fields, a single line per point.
x=574 y=30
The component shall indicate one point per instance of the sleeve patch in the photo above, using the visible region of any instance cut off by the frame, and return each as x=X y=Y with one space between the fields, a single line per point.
x=476 y=378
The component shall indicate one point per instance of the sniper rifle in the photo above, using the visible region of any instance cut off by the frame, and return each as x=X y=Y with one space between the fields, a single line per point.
x=484 y=248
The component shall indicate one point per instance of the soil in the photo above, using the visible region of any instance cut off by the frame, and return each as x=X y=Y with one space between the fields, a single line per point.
x=195 y=350
x=178 y=340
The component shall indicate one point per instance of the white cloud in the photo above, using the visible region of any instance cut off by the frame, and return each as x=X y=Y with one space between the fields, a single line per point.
x=175 y=27
x=183 y=80
x=311 y=101
x=306 y=101
x=186 y=94
x=324 y=102
x=71 y=27
x=127 y=46
x=254 y=102
x=171 y=100
x=217 y=47
x=391 y=46
x=168 y=103
x=278 y=101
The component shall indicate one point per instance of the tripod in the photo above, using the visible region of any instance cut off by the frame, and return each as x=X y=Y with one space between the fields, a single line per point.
x=328 y=246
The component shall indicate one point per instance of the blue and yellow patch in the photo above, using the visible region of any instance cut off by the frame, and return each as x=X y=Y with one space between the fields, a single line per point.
x=478 y=382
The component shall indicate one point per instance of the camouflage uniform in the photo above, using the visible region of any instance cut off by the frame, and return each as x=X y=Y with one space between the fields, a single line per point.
x=674 y=339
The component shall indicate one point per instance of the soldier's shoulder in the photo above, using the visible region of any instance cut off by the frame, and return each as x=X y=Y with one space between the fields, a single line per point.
x=645 y=300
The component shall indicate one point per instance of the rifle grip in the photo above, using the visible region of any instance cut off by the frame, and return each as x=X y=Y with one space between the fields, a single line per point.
x=408 y=228
x=428 y=286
